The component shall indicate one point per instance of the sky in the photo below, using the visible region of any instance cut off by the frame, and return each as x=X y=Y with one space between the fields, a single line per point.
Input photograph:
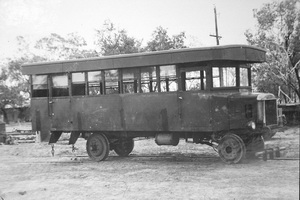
x=34 y=19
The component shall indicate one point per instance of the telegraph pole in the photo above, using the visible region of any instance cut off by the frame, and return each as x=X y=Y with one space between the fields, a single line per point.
x=216 y=25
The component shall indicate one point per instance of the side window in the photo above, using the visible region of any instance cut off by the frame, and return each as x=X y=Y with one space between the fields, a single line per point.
x=95 y=83
x=224 y=76
x=60 y=85
x=168 y=81
x=244 y=77
x=148 y=79
x=39 y=86
x=130 y=80
x=195 y=80
x=112 y=82
x=78 y=84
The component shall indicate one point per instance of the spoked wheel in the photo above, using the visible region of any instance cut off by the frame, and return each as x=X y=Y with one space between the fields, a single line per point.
x=124 y=147
x=231 y=149
x=97 y=146
x=254 y=145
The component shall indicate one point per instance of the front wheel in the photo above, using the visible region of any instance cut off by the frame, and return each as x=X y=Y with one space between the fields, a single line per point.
x=97 y=147
x=123 y=147
x=231 y=149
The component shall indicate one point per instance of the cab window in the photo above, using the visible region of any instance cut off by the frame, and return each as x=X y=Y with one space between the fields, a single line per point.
x=244 y=77
x=224 y=77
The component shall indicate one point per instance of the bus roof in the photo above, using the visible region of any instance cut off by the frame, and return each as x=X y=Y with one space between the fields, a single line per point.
x=238 y=53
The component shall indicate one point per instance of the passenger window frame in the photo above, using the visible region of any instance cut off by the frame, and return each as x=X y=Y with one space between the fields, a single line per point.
x=39 y=92
x=60 y=89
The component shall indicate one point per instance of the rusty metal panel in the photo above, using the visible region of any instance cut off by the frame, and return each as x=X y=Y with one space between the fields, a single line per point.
x=44 y=68
x=61 y=118
x=255 y=55
x=143 y=60
x=40 y=117
x=195 y=111
x=87 y=65
x=220 y=112
x=193 y=56
x=235 y=54
x=151 y=112
x=102 y=113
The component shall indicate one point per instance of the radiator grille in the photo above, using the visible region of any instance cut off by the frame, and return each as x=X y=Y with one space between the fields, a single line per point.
x=271 y=112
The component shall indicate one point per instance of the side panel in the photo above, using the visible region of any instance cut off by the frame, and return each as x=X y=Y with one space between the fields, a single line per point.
x=97 y=113
x=40 y=117
x=151 y=112
x=142 y=112
x=195 y=111
x=220 y=113
x=61 y=118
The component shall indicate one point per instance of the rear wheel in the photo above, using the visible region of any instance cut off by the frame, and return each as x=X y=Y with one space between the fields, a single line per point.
x=231 y=149
x=124 y=147
x=97 y=147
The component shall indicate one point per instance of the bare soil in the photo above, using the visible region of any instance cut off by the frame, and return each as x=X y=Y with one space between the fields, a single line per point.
x=187 y=171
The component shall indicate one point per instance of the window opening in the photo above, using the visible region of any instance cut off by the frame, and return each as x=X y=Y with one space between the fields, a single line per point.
x=195 y=80
x=224 y=76
x=148 y=80
x=78 y=84
x=111 y=81
x=168 y=80
x=130 y=81
x=60 y=85
x=244 y=77
x=95 y=83
x=39 y=86
x=248 y=111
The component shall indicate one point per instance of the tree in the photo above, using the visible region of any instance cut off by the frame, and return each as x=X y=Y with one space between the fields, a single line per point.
x=57 y=47
x=11 y=91
x=113 y=41
x=278 y=32
x=162 y=41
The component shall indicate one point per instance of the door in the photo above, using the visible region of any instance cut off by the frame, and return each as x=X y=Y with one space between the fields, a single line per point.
x=194 y=100
x=60 y=103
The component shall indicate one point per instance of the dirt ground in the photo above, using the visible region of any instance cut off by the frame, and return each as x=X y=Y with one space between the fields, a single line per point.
x=187 y=171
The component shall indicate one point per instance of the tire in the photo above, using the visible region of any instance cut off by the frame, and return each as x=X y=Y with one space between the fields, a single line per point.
x=124 y=147
x=97 y=147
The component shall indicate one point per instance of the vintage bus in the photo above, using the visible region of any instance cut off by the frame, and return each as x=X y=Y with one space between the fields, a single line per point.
x=202 y=95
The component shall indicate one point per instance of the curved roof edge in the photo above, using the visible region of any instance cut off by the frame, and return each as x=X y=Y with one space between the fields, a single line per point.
x=150 y=53
x=236 y=52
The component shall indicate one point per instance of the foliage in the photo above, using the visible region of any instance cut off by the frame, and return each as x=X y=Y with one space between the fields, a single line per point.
x=56 y=47
x=278 y=32
x=13 y=93
x=162 y=41
x=112 y=41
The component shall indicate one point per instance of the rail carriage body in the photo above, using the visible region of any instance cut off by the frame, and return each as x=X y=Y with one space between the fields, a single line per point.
x=201 y=94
